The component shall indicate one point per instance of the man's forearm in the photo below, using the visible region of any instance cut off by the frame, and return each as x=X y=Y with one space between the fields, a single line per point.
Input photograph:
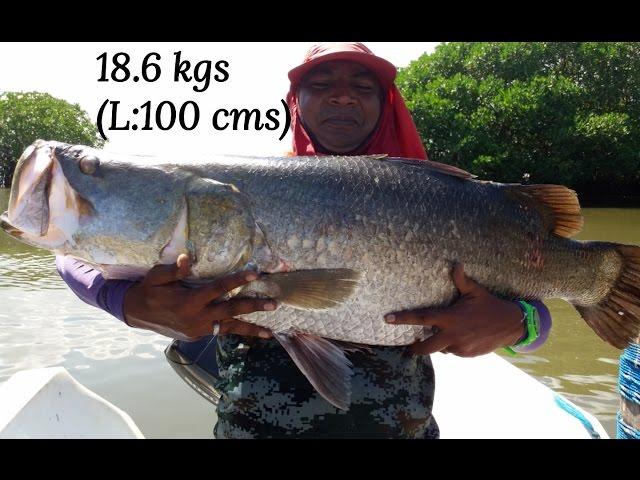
x=91 y=287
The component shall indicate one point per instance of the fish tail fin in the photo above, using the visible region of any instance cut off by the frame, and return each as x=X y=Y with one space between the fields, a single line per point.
x=616 y=318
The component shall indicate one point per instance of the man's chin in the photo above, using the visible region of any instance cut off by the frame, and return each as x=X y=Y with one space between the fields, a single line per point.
x=339 y=150
x=339 y=144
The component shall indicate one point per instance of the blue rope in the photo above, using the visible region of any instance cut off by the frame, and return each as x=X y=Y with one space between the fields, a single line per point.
x=573 y=410
x=629 y=388
x=630 y=373
x=626 y=432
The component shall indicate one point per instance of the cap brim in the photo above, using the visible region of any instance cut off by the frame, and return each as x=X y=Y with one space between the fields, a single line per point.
x=383 y=69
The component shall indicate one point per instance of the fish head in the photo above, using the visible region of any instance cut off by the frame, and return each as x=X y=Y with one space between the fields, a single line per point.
x=44 y=209
x=114 y=210
x=64 y=197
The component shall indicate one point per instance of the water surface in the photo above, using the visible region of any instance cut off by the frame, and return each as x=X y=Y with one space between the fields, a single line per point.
x=43 y=324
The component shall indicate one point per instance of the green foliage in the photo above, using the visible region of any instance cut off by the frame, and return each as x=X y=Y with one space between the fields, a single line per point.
x=565 y=113
x=26 y=117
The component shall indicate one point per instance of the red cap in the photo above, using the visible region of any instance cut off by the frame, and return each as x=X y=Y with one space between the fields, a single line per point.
x=357 y=52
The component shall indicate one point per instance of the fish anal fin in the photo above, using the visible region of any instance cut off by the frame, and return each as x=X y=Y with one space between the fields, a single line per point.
x=557 y=204
x=353 y=347
x=323 y=363
x=317 y=289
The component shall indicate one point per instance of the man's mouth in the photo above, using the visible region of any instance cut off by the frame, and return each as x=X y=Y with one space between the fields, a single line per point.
x=341 y=121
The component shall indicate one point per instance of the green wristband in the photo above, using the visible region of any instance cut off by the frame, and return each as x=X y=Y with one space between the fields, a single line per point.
x=533 y=327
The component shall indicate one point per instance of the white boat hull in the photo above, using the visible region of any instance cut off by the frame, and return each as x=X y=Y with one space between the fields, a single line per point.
x=488 y=397
x=50 y=403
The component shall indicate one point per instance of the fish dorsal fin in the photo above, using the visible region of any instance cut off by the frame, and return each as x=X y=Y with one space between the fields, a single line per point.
x=557 y=204
x=323 y=363
x=429 y=164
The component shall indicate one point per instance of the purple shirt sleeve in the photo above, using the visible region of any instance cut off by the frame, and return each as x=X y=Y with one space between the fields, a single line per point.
x=91 y=287
x=545 y=327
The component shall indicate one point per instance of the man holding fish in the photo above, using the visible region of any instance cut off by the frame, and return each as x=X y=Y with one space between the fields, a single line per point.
x=339 y=106
x=282 y=378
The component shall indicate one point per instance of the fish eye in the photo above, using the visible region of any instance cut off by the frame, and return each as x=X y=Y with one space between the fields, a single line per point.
x=89 y=164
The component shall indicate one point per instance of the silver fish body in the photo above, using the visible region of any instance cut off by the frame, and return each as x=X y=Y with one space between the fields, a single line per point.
x=397 y=225
x=403 y=224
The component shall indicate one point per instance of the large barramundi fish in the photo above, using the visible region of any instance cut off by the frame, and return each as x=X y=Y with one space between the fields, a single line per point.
x=339 y=241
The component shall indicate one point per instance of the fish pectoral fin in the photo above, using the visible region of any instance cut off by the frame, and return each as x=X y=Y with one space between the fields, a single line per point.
x=557 y=204
x=323 y=363
x=314 y=289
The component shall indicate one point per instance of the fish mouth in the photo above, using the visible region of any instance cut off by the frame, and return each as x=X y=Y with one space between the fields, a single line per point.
x=7 y=227
x=44 y=208
x=29 y=199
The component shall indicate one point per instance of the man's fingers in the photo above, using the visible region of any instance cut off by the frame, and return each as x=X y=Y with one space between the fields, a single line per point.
x=162 y=274
x=239 y=306
x=424 y=317
x=218 y=288
x=431 y=345
x=233 y=325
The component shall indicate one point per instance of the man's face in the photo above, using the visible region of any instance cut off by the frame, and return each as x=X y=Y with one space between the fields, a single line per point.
x=340 y=103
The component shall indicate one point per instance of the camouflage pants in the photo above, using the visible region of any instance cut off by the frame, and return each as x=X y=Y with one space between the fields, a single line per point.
x=264 y=395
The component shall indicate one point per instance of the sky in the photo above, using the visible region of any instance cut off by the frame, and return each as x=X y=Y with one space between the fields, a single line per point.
x=257 y=78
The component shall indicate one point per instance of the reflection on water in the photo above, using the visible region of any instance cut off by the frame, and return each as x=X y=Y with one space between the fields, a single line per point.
x=43 y=324
x=22 y=266
x=28 y=272
x=40 y=327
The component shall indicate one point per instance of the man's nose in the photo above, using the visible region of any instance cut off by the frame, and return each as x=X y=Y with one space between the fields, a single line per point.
x=342 y=96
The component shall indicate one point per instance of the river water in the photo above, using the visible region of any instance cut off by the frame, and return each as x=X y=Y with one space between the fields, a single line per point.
x=43 y=324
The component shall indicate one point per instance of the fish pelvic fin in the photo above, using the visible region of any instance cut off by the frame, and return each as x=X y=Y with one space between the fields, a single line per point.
x=323 y=363
x=318 y=289
x=616 y=319
x=557 y=204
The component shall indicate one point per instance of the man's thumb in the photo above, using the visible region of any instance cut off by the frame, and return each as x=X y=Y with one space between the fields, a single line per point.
x=161 y=274
x=462 y=282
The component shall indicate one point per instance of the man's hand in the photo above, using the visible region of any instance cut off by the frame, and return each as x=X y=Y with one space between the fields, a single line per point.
x=161 y=304
x=475 y=324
